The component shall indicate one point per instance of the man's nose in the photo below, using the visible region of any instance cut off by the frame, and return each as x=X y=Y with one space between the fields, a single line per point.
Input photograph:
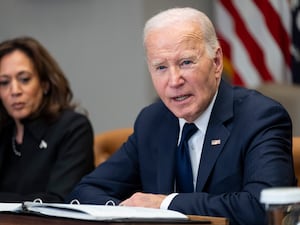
x=175 y=77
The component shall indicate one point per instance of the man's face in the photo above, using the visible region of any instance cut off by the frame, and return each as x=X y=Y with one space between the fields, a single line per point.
x=184 y=75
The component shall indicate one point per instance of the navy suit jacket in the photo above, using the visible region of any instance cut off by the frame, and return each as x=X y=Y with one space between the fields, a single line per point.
x=255 y=135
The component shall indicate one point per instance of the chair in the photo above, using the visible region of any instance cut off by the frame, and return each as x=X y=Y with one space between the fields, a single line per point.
x=107 y=142
x=296 y=156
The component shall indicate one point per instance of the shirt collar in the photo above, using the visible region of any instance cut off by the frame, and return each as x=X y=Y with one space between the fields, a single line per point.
x=202 y=121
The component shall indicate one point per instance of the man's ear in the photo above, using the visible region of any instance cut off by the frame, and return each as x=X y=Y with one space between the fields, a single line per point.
x=218 y=60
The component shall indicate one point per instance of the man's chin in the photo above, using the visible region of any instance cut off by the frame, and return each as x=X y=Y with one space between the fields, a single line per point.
x=181 y=115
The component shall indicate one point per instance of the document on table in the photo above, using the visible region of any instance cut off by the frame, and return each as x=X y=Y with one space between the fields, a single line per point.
x=10 y=207
x=93 y=212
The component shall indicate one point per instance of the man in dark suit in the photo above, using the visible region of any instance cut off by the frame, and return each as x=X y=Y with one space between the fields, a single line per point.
x=242 y=145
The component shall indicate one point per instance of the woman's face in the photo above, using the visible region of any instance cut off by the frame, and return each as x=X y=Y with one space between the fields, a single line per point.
x=21 y=90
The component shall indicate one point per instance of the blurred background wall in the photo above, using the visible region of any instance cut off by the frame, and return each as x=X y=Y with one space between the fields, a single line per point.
x=98 y=44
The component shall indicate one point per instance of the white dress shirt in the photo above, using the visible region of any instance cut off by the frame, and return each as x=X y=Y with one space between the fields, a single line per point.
x=195 y=144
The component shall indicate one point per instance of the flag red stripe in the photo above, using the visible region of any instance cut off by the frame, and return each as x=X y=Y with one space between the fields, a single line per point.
x=278 y=32
x=255 y=52
x=225 y=46
x=235 y=76
x=237 y=79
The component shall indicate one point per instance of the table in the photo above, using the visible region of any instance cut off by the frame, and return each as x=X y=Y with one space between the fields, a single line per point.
x=29 y=219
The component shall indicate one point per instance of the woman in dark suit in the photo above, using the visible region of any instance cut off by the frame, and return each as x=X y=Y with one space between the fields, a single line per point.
x=45 y=145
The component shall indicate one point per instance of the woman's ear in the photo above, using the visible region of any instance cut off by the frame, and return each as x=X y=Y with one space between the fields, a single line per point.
x=46 y=88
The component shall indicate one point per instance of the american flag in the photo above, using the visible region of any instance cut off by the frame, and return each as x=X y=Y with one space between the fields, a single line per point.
x=295 y=6
x=256 y=37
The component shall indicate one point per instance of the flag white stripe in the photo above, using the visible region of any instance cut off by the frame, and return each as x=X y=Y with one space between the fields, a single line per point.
x=240 y=58
x=283 y=10
x=255 y=23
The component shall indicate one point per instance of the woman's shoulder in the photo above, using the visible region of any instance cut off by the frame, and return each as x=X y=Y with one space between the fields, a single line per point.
x=72 y=113
x=73 y=116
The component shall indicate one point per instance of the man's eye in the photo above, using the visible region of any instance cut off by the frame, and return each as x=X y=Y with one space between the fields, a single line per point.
x=4 y=83
x=161 y=67
x=186 y=62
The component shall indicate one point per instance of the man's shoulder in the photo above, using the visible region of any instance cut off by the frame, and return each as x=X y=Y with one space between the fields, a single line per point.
x=157 y=108
x=252 y=105
x=155 y=114
x=253 y=97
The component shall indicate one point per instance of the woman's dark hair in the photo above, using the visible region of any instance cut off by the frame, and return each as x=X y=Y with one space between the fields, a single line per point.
x=59 y=94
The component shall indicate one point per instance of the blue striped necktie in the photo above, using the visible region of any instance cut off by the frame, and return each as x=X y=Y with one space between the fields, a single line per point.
x=184 y=173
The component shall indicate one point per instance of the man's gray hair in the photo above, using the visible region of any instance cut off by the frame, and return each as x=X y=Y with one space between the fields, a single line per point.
x=175 y=15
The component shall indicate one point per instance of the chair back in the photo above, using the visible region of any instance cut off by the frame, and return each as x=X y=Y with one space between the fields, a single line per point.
x=107 y=142
x=296 y=157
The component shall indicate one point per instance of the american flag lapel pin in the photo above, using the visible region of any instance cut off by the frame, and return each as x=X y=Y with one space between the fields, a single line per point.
x=215 y=142
x=43 y=144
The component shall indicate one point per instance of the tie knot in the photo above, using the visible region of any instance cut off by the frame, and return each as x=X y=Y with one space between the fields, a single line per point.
x=188 y=130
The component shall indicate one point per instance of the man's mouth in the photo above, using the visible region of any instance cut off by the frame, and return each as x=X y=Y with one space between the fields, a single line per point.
x=181 y=98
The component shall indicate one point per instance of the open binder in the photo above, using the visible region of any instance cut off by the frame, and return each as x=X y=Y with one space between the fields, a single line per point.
x=93 y=212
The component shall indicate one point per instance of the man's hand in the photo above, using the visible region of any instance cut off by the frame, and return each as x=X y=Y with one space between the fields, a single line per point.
x=144 y=200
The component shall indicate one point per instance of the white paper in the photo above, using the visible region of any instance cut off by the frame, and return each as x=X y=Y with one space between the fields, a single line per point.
x=103 y=212
x=10 y=207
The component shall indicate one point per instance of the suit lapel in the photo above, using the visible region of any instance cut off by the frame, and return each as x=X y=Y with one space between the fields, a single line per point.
x=216 y=137
x=217 y=133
